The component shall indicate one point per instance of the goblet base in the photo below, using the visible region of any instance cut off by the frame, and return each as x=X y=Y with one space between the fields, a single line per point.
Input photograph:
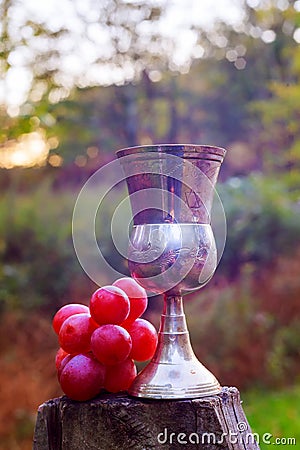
x=174 y=371
x=175 y=381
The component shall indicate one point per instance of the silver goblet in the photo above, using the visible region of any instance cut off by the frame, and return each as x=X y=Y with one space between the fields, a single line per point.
x=172 y=251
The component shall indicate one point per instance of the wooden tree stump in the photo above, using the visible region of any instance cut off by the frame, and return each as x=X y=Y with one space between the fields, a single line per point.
x=113 y=422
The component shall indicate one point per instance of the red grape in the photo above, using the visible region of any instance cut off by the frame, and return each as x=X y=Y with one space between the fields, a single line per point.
x=66 y=311
x=109 y=304
x=144 y=339
x=75 y=333
x=82 y=378
x=137 y=297
x=60 y=355
x=120 y=376
x=111 y=344
x=62 y=365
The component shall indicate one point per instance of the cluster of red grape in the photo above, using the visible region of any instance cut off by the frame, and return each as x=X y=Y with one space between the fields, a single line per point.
x=99 y=343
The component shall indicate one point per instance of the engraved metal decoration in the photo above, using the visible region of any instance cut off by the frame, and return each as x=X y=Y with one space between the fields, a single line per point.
x=172 y=251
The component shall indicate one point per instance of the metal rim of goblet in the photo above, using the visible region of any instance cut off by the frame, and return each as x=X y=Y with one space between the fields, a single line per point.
x=208 y=152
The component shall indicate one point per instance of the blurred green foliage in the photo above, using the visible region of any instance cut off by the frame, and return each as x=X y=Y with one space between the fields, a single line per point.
x=248 y=332
x=262 y=222
x=274 y=412
x=37 y=262
x=245 y=326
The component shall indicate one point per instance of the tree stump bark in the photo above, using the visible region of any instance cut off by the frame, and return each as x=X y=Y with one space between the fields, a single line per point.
x=114 y=422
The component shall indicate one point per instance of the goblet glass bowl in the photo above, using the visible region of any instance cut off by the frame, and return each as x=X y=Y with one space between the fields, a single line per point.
x=171 y=257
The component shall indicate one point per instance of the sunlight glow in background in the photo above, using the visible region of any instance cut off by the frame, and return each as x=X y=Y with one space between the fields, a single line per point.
x=28 y=150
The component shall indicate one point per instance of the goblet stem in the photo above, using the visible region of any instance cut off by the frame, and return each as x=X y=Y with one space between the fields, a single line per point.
x=174 y=340
x=174 y=371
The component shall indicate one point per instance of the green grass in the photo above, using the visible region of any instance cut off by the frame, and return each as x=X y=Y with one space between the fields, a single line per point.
x=275 y=413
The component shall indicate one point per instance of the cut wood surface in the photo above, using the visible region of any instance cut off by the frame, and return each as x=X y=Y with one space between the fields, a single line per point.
x=111 y=422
